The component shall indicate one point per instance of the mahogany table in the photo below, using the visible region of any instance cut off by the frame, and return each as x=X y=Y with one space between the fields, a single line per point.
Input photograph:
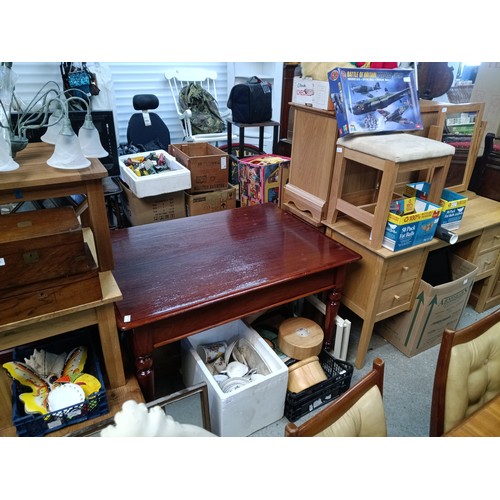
x=187 y=275
x=484 y=422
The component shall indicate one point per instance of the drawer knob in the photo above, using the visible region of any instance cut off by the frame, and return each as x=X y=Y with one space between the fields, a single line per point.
x=396 y=297
x=405 y=268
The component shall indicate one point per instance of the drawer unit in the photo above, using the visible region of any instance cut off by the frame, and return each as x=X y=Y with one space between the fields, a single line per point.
x=490 y=238
x=483 y=251
x=402 y=268
x=486 y=262
x=395 y=299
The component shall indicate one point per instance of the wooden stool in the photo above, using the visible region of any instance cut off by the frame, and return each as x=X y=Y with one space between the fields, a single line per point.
x=369 y=171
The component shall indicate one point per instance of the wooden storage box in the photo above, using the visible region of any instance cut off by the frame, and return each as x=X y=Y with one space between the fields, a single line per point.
x=41 y=245
x=43 y=297
x=208 y=165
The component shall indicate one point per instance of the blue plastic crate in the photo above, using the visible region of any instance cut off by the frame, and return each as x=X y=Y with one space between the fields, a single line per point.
x=35 y=425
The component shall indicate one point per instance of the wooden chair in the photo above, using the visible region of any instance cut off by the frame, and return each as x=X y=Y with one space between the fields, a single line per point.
x=467 y=373
x=359 y=412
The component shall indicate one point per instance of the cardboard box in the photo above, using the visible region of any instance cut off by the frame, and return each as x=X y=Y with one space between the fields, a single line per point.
x=209 y=166
x=435 y=309
x=407 y=230
x=370 y=100
x=262 y=179
x=212 y=201
x=311 y=92
x=152 y=208
x=249 y=408
x=452 y=204
x=177 y=178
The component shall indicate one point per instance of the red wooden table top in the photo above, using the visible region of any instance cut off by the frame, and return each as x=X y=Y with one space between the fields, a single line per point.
x=166 y=268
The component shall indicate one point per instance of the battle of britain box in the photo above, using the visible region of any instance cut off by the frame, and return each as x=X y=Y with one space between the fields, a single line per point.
x=368 y=100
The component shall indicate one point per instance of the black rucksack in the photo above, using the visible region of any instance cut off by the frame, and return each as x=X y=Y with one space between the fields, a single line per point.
x=251 y=102
x=205 y=117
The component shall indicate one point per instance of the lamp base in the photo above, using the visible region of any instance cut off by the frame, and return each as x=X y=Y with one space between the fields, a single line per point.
x=17 y=144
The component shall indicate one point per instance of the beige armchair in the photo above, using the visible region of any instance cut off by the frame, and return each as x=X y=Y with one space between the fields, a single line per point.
x=359 y=412
x=467 y=373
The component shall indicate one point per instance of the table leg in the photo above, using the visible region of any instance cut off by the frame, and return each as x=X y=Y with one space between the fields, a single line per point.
x=364 y=341
x=241 y=153
x=332 y=309
x=110 y=345
x=142 y=349
x=99 y=224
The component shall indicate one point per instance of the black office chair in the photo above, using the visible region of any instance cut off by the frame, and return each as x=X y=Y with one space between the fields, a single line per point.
x=146 y=130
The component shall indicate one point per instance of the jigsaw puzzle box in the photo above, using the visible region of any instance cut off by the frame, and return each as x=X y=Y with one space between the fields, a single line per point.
x=368 y=100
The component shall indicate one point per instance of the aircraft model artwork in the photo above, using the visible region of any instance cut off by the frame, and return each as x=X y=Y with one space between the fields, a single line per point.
x=397 y=115
x=366 y=89
x=375 y=103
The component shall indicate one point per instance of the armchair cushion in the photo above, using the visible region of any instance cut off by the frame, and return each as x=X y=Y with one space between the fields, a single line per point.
x=365 y=418
x=473 y=376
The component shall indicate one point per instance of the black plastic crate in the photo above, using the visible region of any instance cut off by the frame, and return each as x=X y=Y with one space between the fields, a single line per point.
x=339 y=373
x=35 y=425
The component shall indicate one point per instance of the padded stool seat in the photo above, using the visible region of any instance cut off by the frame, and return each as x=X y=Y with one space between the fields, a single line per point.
x=399 y=148
x=369 y=170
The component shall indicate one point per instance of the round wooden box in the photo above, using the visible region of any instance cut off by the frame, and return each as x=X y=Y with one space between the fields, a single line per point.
x=300 y=338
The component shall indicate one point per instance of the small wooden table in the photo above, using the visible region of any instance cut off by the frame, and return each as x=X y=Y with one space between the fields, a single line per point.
x=35 y=180
x=187 y=275
x=485 y=422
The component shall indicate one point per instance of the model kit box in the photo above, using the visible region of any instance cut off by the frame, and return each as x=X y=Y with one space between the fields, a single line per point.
x=408 y=227
x=212 y=201
x=435 y=308
x=370 y=100
x=151 y=209
x=208 y=165
x=452 y=204
x=262 y=179
x=153 y=173
x=250 y=407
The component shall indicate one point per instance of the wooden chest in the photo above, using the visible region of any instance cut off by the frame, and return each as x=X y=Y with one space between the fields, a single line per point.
x=41 y=245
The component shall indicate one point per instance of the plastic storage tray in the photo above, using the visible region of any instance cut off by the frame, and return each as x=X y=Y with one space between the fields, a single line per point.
x=339 y=373
x=36 y=425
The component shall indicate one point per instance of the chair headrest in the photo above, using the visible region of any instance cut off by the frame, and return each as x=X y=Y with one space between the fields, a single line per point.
x=142 y=102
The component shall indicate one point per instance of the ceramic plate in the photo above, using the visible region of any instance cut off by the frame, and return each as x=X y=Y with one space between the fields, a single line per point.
x=65 y=395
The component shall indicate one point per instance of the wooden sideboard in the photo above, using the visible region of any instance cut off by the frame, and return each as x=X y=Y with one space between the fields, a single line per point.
x=385 y=283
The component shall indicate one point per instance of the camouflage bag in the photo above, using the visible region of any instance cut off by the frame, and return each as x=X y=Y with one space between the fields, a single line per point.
x=205 y=117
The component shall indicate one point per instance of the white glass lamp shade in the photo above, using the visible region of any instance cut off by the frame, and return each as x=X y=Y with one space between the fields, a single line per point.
x=53 y=128
x=7 y=163
x=90 y=141
x=67 y=151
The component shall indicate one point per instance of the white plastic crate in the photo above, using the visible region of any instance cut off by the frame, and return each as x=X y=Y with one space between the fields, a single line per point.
x=251 y=407
x=169 y=181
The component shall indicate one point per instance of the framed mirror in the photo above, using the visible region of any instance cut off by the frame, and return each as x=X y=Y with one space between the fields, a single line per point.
x=187 y=406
